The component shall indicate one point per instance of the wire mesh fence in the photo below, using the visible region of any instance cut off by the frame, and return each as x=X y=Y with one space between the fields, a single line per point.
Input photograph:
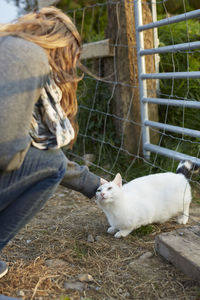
x=97 y=98
x=111 y=129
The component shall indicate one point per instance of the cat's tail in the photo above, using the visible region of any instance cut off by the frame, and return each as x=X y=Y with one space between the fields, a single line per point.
x=187 y=168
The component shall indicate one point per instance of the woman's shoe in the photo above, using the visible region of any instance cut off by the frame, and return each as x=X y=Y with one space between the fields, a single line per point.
x=3 y=268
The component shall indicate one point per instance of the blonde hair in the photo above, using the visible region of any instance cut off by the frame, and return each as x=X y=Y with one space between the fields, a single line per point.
x=54 y=31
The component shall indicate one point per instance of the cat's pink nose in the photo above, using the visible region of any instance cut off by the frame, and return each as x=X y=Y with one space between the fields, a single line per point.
x=102 y=194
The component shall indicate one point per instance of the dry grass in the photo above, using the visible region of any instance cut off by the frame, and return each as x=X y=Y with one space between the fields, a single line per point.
x=60 y=233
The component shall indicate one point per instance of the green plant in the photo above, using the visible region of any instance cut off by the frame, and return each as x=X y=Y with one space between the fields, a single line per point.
x=89 y=17
x=185 y=89
x=79 y=249
x=65 y=298
x=143 y=230
x=174 y=7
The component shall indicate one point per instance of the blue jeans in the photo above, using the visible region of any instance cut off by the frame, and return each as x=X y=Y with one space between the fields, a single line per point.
x=24 y=191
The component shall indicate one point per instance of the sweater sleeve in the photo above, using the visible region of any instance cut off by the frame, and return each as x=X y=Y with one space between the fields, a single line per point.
x=80 y=179
x=24 y=69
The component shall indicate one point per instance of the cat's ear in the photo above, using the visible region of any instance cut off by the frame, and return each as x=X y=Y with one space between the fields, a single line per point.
x=118 y=180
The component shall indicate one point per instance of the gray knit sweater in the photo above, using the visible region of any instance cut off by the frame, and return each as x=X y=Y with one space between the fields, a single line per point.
x=23 y=72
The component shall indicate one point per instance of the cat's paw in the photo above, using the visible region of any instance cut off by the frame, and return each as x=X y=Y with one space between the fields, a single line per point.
x=118 y=235
x=183 y=219
x=111 y=230
x=122 y=233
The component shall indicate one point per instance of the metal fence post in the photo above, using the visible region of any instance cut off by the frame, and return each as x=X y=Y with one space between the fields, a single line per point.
x=141 y=70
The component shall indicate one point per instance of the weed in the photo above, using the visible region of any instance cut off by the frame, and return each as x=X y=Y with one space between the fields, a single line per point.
x=143 y=230
x=65 y=298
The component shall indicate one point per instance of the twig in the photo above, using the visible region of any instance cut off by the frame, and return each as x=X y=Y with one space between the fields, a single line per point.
x=38 y=283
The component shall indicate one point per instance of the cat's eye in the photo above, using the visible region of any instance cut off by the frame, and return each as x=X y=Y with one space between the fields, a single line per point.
x=99 y=190
x=110 y=188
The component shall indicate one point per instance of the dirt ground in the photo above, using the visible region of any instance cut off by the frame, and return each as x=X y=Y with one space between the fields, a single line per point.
x=65 y=253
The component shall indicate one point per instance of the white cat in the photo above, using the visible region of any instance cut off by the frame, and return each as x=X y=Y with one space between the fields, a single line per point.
x=145 y=200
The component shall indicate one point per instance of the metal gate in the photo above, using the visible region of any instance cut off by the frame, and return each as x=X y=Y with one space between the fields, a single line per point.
x=143 y=77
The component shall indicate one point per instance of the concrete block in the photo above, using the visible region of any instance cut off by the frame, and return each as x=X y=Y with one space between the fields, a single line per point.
x=182 y=248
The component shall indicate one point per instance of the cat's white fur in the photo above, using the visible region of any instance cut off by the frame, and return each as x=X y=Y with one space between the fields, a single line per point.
x=145 y=200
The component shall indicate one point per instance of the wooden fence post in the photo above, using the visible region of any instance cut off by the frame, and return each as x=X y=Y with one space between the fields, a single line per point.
x=126 y=106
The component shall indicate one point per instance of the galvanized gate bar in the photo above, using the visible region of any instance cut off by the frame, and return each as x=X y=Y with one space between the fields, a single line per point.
x=171 y=48
x=171 y=20
x=171 y=75
x=171 y=153
x=141 y=70
x=172 y=128
x=173 y=102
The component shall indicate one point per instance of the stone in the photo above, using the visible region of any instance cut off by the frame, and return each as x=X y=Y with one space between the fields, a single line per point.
x=85 y=277
x=182 y=248
x=55 y=263
x=74 y=285
x=20 y=293
x=90 y=238
x=97 y=238
x=145 y=256
x=141 y=261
